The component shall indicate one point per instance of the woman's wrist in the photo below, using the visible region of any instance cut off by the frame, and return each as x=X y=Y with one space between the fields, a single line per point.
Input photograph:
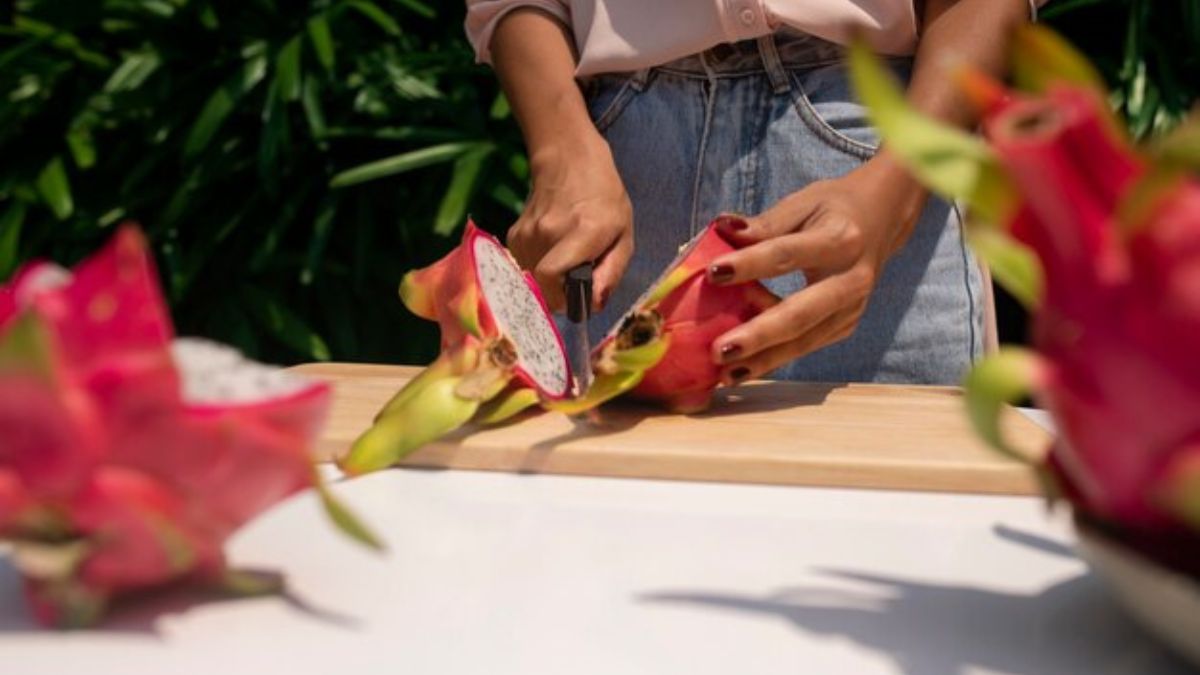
x=570 y=148
x=896 y=193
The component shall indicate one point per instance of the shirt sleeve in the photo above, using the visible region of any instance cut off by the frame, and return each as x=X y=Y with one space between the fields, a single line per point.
x=484 y=15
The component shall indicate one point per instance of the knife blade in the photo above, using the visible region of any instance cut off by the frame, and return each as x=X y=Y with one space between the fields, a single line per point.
x=578 y=289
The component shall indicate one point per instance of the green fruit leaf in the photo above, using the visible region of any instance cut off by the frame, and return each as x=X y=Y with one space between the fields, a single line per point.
x=401 y=163
x=1179 y=492
x=506 y=405
x=345 y=520
x=1040 y=57
x=951 y=162
x=421 y=419
x=251 y=583
x=454 y=204
x=604 y=388
x=995 y=382
x=54 y=188
x=1012 y=264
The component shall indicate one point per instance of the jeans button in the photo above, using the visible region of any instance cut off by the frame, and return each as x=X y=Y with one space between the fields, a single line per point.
x=747 y=17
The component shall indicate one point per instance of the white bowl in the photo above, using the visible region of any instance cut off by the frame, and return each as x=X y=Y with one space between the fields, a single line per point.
x=1163 y=601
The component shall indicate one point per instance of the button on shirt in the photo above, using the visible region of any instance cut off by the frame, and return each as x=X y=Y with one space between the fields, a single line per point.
x=625 y=35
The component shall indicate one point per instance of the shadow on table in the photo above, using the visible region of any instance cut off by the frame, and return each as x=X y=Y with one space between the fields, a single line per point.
x=932 y=629
x=143 y=614
x=619 y=416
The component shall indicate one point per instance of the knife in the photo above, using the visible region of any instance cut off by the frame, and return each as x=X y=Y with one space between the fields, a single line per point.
x=578 y=288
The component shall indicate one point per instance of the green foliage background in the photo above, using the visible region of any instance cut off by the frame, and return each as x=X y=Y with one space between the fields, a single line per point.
x=291 y=159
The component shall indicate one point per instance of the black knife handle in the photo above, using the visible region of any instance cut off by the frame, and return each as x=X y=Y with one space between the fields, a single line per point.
x=578 y=289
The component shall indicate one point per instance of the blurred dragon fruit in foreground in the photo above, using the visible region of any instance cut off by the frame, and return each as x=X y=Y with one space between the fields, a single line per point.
x=127 y=459
x=1102 y=241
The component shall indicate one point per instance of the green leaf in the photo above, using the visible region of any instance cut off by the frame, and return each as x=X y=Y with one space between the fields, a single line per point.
x=950 y=162
x=504 y=195
x=313 y=114
x=82 y=147
x=288 y=80
x=322 y=227
x=10 y=238
x=500 y=108
x=221 y=104
x=285 y=325
x=322 y=41
x=55 y=189
x=132 y=72
x=345 y=520
x=454 y=204
x=418 y=7
x=401 y=163
x=375 y=15
x=1040 y=57
x=1011 y=263
x=995 y=382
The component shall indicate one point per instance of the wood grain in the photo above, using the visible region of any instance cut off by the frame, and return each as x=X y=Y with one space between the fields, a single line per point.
x=856 y=435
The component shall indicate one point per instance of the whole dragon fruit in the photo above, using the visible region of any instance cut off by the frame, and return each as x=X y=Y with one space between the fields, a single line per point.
x=501 y=352
x=1103 y=241
x=127 y=459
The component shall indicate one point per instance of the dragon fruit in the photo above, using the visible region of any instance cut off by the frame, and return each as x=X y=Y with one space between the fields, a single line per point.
x=128 y=459
x=660 y=351
x=501 y=352
x=1103 y=240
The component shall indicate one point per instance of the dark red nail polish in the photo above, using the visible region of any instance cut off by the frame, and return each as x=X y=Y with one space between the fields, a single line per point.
x=720 y=274
x=732 y=223
x=738 y=374
x=730 y=352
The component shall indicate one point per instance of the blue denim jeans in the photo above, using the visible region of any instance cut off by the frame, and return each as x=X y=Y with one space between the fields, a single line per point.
x=740 y=126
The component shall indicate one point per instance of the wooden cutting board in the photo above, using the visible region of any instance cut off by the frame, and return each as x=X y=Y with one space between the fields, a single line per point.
x=857 y=435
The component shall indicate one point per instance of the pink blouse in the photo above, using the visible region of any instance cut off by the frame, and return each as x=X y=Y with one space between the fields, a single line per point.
x=624 y=35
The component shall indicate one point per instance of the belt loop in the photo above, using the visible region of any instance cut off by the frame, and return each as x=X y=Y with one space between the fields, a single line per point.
x=775 y=70
x=639 y=80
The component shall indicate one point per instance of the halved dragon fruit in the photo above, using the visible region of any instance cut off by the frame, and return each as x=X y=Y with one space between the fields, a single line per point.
x=661 y=350
x=501 y=352
x=127 y=459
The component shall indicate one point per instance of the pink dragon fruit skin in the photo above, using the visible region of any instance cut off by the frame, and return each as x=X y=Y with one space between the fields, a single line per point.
x=103 y=443
x=1120 y=319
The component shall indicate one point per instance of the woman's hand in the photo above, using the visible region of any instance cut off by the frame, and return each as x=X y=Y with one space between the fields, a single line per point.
x=839 y=232
x=577 y=212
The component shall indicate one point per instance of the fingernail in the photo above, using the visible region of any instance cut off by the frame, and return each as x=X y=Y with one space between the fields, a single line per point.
x=720 y=274
x=730 y=352
x=732 y=223
x=738 y=374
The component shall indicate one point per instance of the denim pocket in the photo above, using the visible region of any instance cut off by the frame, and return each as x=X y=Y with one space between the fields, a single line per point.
x=607 y=97
x=824 y=99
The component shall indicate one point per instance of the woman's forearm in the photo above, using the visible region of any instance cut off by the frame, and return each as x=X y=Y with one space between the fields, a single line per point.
x=534 y=58
x=955 y=33
x=974 y=33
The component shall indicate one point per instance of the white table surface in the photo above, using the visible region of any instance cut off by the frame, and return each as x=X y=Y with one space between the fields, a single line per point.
x=498 y=573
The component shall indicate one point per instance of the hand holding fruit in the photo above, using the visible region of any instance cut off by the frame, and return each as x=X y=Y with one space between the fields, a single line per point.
x=839 y=233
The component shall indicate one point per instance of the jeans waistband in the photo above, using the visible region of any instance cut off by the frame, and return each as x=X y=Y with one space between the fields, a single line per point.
x=773 y=54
